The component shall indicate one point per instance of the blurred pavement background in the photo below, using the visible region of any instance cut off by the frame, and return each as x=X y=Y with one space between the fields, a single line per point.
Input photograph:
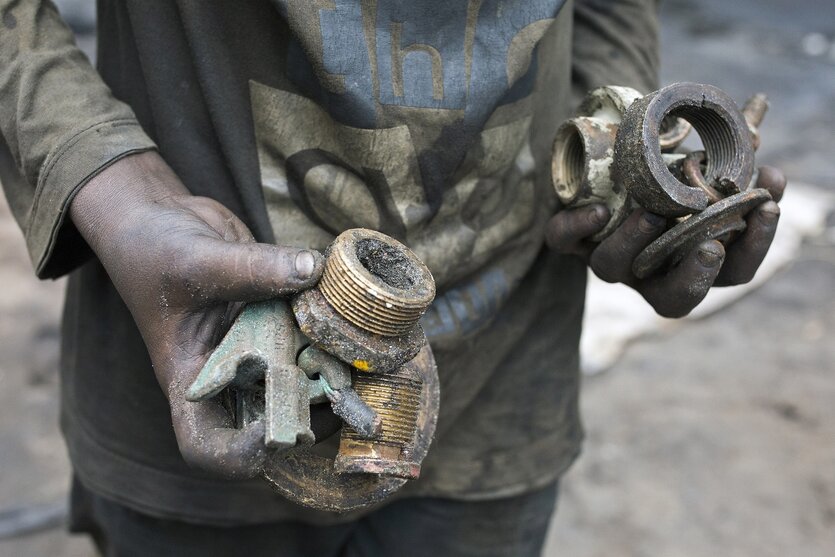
x=712 y=437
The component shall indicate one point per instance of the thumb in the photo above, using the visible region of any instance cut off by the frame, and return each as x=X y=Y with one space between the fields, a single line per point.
x=245 y=272
x=568 y=230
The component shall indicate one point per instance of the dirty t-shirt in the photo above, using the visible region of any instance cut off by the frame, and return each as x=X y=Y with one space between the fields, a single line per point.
x=430 y=121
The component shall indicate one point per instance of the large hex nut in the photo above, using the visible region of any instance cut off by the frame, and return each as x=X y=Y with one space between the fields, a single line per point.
x=639 y=164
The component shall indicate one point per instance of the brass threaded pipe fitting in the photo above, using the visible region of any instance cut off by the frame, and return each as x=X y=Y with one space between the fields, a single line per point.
x=376 y=283
x=397 y=398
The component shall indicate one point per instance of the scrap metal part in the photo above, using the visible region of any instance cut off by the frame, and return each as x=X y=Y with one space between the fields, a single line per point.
x=310 y=478
x=584 y=153
x=257 y=361
x=619 y=152
x=365 y=311
x=362 y=316
x=717 y=222
x=366 y=308
x=641 y=168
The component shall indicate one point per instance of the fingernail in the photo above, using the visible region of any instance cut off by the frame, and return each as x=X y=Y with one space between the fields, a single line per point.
x=598 y=215
x=305 y=264
x=709 y=256
x=769 y=212
x=650 y=222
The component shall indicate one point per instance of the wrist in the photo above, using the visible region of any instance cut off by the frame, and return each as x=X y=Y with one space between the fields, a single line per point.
x=120 y=193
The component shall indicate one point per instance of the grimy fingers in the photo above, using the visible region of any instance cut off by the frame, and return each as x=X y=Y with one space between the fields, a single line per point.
x=568 y=230
x=773 y=180
x=747 y=252
x=681 y=289
x=612 y=260
x=208 y=441
x=244 y=272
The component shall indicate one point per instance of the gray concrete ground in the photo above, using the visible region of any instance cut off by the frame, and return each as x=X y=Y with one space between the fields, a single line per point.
x=717 y=438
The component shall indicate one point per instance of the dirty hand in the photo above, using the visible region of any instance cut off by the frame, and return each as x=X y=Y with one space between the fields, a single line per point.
x=180 y=263
x=677 y=291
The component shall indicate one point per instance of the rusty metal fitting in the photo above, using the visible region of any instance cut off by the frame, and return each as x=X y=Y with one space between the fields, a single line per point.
x=361 y=475
x=365 y=311
x=720 y=222
x=640 y=166
x=583 y=152
x=397 y=399
x=584 y=148
x=376 y=283
x=388 y=403
x=366 y=308
x=754 y=113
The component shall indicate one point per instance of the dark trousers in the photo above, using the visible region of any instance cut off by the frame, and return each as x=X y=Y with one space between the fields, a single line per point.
x=418 y=527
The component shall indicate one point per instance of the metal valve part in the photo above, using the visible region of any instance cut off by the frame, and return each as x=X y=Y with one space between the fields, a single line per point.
x=365 y=311
x=618 y=152
x=368 y=358
x=584 y=153
x=718 y=222
x=641 y=168
x=584 y=150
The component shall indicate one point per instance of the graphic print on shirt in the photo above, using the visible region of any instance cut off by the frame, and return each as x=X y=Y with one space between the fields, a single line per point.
x=413 y=119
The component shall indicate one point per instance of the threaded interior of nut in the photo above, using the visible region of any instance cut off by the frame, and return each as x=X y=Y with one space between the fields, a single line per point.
x=719 y=140
x=396 y=400
x=569 y=164
x=376 y=283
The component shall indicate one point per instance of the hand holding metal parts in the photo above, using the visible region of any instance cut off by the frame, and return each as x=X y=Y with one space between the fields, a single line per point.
x=180 y=263
x=367 y=358
x=670 y=225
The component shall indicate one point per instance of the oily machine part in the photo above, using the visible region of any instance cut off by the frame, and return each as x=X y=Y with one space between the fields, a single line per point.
x=365 y=311
x=641 y=168
x=584 y=153
x=367 y=357
x=620 y=151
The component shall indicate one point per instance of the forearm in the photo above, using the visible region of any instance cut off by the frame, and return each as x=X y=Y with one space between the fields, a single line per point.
x=60 y=122
x=615 y=43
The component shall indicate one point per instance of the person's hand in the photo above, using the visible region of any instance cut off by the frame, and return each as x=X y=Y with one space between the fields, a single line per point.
x=180 y=263
x=677 y=291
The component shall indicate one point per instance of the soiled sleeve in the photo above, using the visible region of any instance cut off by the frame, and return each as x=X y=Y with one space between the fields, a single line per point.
x=615 y=42
x=59 y=126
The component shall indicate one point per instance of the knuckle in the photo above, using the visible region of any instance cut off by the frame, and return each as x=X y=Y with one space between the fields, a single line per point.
x=191 y=454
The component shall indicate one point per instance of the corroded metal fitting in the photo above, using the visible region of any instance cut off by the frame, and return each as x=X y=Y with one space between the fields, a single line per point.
x=718 y=222
x=583 y=153
x=584 y=150
x=364 y=312
x=376 y=283
x=310 y=478
x=398 y=400
x=640 y=166
x=365 y=309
